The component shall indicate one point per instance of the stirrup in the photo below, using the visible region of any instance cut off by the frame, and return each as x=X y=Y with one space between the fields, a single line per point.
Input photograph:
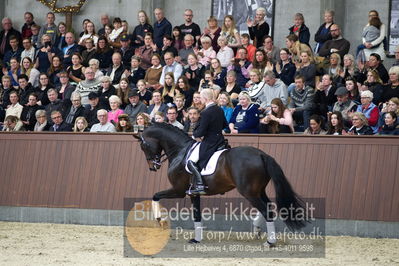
x=198 y=190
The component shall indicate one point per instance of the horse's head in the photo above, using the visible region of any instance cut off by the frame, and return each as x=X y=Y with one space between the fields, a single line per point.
x=152 y=150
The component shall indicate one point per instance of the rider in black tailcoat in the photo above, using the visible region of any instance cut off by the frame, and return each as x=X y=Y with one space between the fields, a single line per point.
x=209 y=132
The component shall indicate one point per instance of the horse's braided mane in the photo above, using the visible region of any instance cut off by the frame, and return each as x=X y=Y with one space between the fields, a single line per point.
x=170 y=127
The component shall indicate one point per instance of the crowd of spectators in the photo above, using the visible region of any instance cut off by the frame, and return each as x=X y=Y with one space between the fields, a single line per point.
x=113 y=78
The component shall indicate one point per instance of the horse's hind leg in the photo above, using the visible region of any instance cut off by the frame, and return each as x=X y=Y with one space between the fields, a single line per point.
x=196 y=203
x=264 y=213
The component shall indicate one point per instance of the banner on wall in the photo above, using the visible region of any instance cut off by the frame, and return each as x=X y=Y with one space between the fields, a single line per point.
x=394 y=26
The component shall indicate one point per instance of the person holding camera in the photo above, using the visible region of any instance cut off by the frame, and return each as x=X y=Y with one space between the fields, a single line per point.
x=207 y=83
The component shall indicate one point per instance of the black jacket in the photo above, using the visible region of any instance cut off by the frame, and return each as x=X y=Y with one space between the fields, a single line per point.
x=28 y=114
x=210 y=128
x=91 y=114
x=322 y=100
x=58 y=105
x=138 y=34
x=322 y=38
x=389 y=130
x=304 y=34
x=24 y=94
x=67 y=61
x=126 y=56
x=258 y=33
x=138 y=74
x=104 y=96
x=287 y=73
x=118 y=73
x=105 y=58
x=198 y=75
x=11 y=32
x=63 y=127
x=365 y=130
x=81 y=111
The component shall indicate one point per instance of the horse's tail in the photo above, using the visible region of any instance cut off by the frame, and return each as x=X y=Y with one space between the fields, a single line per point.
x=294 y=214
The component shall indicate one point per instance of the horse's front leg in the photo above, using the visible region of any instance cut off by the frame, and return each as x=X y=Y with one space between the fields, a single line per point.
x=165 y=194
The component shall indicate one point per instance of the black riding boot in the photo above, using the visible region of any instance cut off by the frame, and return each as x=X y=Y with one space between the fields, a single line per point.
x=198 y=188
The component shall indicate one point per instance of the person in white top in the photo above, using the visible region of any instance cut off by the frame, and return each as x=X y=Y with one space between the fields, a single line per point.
x=89 y=33
x=206 y=54
x=376 y=46
x=104 y=125
x=14 y=108
x=171 y=114
x=29 y=49
x=225 y=53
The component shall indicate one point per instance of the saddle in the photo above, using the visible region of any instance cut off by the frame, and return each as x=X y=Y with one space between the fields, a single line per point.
x=225 y=145
x=212 y=163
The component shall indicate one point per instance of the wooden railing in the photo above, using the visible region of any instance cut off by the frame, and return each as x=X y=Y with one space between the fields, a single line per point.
x=357 y=175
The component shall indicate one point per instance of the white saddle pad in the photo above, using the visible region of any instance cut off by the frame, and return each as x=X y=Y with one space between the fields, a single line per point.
x=211 y=165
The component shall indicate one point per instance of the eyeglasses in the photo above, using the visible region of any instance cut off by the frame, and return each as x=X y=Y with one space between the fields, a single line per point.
x=355 y=119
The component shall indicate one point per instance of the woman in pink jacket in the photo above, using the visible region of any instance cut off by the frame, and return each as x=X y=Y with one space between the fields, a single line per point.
x=278 y=120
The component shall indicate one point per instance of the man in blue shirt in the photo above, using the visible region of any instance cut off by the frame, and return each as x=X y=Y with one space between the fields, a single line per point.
x=161 y=27
x=70 y=49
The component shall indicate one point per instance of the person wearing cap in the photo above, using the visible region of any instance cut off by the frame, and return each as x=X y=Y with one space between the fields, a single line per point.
x=344 y=105
x=369 y=109
x=135 y=107
x=124 y=124
x=325 y=96
x=126 y=50
x=95 y=105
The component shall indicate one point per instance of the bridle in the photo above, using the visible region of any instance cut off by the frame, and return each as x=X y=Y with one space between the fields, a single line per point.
x=157 y=159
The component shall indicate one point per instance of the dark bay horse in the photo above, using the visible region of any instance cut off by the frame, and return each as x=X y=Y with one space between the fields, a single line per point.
x=247 y=169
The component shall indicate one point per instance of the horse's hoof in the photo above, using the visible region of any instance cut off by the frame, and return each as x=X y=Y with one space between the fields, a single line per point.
x=267 y=243
x=193 y=241
x=163 y=224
